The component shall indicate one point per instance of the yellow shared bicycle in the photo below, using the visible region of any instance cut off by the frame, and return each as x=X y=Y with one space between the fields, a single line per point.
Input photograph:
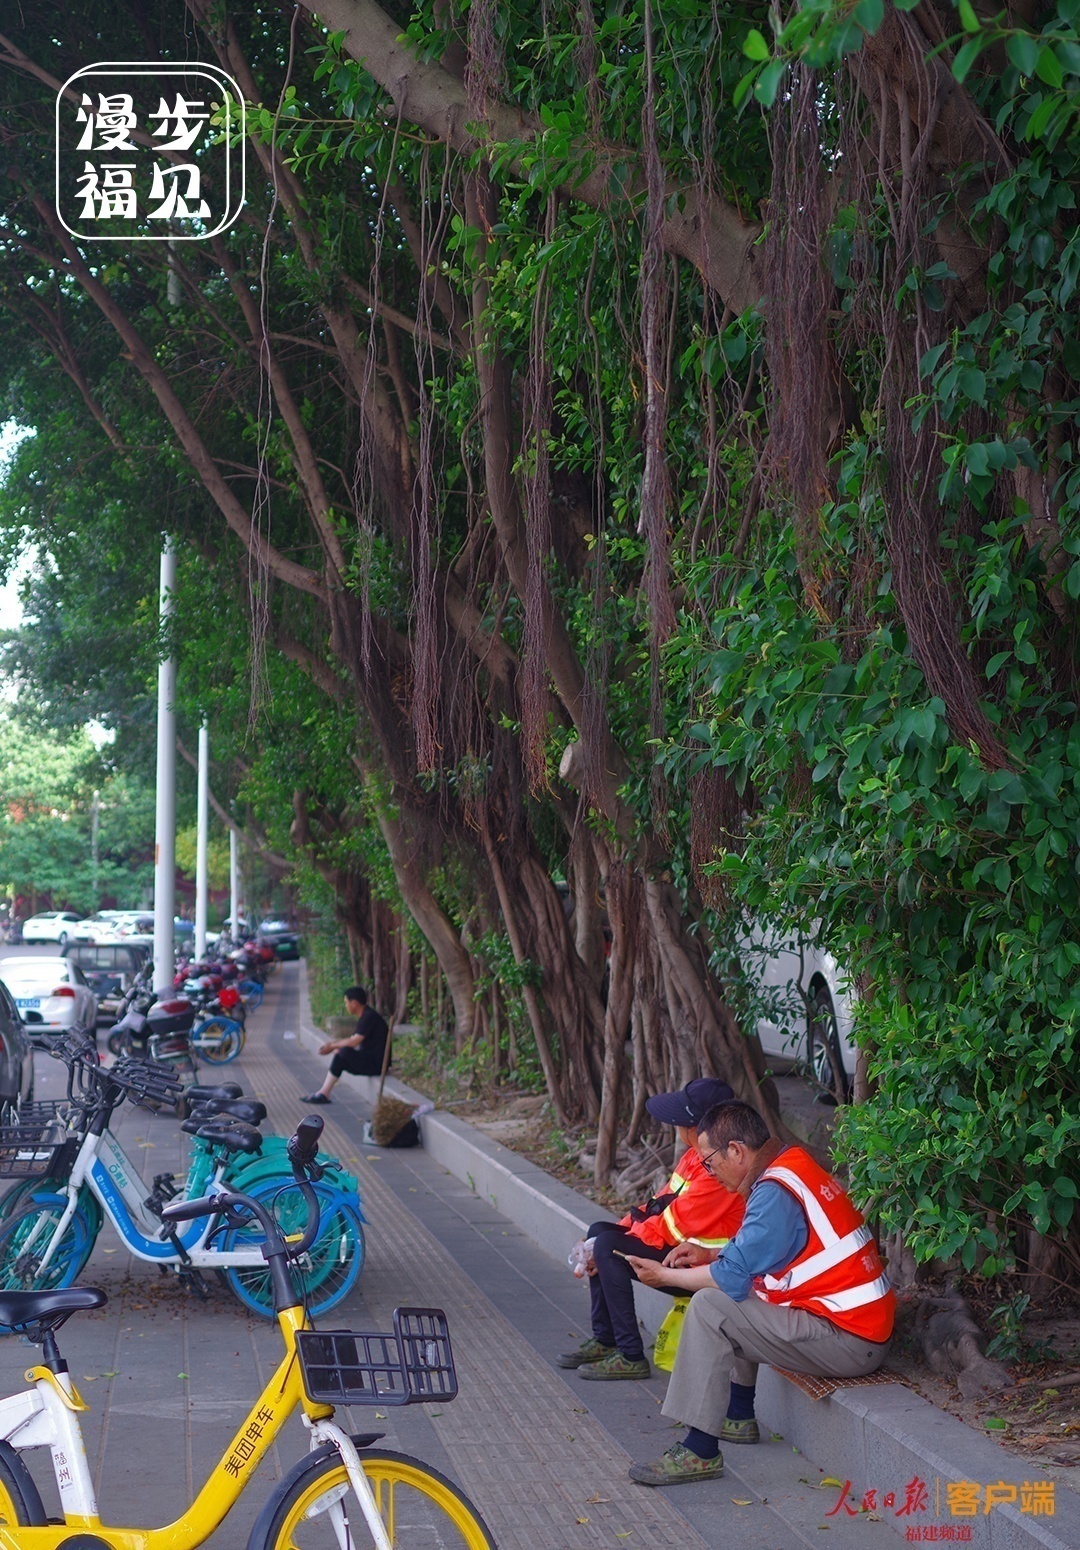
x=344 y=1495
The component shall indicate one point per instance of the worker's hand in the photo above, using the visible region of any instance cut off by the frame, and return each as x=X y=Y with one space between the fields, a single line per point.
x=327 y=1049
x=648 y=1272
x=685 y=1255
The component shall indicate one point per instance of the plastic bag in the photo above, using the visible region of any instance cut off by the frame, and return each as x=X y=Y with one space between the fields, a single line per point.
x=580 y=1257
x=667 y=1336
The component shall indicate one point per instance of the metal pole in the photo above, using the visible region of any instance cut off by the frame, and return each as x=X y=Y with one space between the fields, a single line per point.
x=95 y=812
x=234 y=888
x=202 y=869
x=165 y=828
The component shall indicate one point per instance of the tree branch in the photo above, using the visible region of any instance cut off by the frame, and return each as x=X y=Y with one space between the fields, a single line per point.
x=707 y=231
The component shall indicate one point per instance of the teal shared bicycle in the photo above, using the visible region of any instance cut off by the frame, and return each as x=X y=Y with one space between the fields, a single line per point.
x=72 y=1173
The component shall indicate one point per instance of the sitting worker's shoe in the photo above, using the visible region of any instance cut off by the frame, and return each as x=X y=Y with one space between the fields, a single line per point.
x=676 y=1467
x=588 y=1351
x=740 y=1431
x=617 y=1366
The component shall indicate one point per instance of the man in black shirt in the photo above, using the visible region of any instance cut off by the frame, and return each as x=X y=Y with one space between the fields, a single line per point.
x=361 y=1054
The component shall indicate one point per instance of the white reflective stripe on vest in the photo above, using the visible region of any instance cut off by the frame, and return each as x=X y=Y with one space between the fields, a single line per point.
x=856 y=1297
x=672 y=1226
x=810 y=1202
x=824 y=1259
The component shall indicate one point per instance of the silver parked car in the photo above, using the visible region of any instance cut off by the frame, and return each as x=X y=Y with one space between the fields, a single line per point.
x=806 y=1006
x=51 y=994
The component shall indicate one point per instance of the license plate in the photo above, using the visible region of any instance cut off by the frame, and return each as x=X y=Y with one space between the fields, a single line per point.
x=27 y=1000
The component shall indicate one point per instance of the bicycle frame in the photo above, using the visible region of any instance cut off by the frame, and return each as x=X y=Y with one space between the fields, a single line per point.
x=46 y=1416
x=108 y=1173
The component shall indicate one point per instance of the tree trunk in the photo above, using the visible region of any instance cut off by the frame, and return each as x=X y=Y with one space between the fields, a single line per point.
x=528 y=992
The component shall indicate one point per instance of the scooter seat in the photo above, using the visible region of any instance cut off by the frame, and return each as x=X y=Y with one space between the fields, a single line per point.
x=231 y=1133
x=225 y=1092
x=250 y=1110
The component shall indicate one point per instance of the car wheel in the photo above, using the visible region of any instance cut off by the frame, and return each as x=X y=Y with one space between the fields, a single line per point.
x=63 y=940
x=824 y=1061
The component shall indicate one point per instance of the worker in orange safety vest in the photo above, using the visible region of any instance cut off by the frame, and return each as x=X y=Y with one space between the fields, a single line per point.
x=800 y=1286
x=693 y=1208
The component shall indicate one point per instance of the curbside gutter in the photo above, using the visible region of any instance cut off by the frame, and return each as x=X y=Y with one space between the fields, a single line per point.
x=885 y=1435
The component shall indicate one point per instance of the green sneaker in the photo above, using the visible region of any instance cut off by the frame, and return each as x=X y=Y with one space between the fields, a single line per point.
x=617 y=1366
x=677 y=1466
x=588 y=1351
x=740 y=1431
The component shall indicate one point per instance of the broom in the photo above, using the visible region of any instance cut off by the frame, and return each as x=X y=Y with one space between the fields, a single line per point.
x=391 y=1114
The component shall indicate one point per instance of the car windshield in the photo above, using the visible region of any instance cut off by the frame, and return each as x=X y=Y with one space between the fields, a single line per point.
x=34 y=976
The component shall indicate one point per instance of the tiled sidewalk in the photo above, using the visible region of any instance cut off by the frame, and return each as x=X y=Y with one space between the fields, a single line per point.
x=543 y=1455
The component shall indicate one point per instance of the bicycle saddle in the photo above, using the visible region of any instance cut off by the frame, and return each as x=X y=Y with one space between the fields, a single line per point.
x=250 y=1110
x=48 y=1309
x=230 y=1133
x=225 y=1092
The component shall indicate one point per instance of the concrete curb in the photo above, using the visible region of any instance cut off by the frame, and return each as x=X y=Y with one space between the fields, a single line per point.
x=886 y=1436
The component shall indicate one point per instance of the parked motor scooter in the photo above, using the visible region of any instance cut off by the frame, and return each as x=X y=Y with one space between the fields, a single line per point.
x=156 y=1028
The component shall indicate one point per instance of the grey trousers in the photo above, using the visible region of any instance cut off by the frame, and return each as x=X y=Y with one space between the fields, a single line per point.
x=719 y=1335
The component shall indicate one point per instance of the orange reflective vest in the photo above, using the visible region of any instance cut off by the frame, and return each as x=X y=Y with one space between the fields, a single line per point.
x=839 y=1274
x=703 y=1211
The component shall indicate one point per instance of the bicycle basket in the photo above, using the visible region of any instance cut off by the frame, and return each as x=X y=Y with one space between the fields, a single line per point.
x=38 y=1149
x=414 y=1364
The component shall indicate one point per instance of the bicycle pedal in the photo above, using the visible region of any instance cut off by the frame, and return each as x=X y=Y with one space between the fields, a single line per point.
x=194 y=1279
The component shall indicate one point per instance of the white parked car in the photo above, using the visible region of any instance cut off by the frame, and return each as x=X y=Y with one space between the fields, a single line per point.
x=56 y=926
x=51 y=994
x=806 y=1008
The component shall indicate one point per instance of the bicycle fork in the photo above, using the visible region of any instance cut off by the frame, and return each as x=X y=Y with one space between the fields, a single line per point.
x=326 y=1432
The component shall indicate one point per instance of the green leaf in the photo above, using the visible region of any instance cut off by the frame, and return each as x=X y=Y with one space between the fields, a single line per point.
x=755 y=46
x=1048 y=69
x=966 y=57
x=972 y=384
x=768 y=82
x=968 y=20
x=1041 y=117
x=739 y=95
x=870 y=14
x=1023 y=51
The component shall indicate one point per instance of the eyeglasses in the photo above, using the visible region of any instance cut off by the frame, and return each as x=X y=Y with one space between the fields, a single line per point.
x=707 y=1157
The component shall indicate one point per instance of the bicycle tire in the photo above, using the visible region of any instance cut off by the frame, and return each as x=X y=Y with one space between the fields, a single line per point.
x=416 y=1503
x=21 y=1194
x=23 y=1239
x=227 y=1047
x=20 y=1501
x=335 y=1259
x=252 y=993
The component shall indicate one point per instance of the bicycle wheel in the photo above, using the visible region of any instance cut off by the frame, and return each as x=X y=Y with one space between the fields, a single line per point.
x=219 y=1040
x=252 y=993
x=20 y=1501
x=26 y=1236
x=329 y=1270
x=313 y=1508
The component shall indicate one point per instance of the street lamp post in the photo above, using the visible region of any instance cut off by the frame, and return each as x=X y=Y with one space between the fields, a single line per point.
x=202 y=869
x=165 y=821
x=234 y=887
